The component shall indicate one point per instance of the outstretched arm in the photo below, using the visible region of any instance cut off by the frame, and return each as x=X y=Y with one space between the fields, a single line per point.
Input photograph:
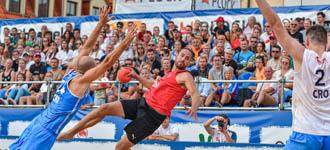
x=191 y=86
x=110 y=59
x=291 y=45
x=91 y=41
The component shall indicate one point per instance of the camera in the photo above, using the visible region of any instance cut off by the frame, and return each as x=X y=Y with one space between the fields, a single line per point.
x=221 y=123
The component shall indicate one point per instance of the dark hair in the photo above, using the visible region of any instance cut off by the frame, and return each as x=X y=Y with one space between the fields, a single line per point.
x=277 y=46
x=262 y=59
x=263 y=44
x=216 y=55
x=321 y=13
x=226 y=117
x=150 y=50
x=318 y=34
x=76 y=30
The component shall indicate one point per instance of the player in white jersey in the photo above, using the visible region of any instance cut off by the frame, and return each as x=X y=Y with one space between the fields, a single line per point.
x=311 y=97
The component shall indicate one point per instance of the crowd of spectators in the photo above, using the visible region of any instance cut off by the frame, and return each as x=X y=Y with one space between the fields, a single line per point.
x=222 y=52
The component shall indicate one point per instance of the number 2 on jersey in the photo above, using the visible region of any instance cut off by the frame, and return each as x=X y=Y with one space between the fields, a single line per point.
x=318 y=82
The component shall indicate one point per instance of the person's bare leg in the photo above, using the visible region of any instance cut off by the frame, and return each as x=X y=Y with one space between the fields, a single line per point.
x=39 y=98
x=30 y=100
x=225 y=98
x=209 y=98
x=260 y=97
x=124 y=143
x=267 y=100
x=247 y=103
x=97 y=115
x=22 y=100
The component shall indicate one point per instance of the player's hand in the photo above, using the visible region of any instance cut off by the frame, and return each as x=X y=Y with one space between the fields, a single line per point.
x=104 y=15
x=192 y=113
x=132 y=31
x=64 y=136
x=133 y=74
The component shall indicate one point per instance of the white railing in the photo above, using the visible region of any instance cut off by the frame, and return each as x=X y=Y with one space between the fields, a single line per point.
x=50 y=83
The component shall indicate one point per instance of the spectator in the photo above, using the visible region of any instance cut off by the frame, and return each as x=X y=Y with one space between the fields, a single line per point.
x=166 y=66
x=265 y=93
x=228 y=91
x=15 y=57
x=38 y=68
x=206 y=36
x=196 y=47
x=33 y=39
x=242 y=57
x=3 y=54
x=96 y=53
x=57 y=74
x=151 y=59
x=51 y=53
x=203 y=67
x=221 y=133
x=7 y=74
x=166 y=132
x=17 y=90
x=253 y=44
x=235 y=32
x=287 y=25
x=33 y=90
x=196 y=27
x=307 y=24
x=229 y=61
x=260 y=68
x=176 y=50
x=143 y=30
x=321 y=20
x=265 y=36
x=8 y=47
x=45 y=45
x=21 y=70
x=169 y=31
x=68 y=37
x=249 y=26
x=76 y=35
x=155 y=34
x=216 y=73
x=284 y=73
x=68 y=27
x=139 y=55
x=260 y=51
x=221 y=28
x=294 y=31
x=272 y=42
x=275 y=60
x=65 y=55
x=120 y=29
x=100 y=94
x=14 y=36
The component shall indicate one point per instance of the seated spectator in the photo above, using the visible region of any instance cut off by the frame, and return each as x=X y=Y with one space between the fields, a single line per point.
x=16 y=91
x=33 y=90
x=166 y=132
x=21 y=69
x=141 y=90
x=166 y=66
x=57 y=73
x=40 y=97
x=221 y=133
x=100 y=94
x=284 y=73
x=275 y=60
x=65 y=55
x=216 y=73
x=227 y=91
x=202 y=68
x=7 y=74
x=242 y=57
x=265 y=93
x=38 y=68
x=229 y=61
x=260 y=68
x=151 y=59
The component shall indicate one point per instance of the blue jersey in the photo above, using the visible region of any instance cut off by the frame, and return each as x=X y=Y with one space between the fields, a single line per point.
x=63 y=107
x=43 y=130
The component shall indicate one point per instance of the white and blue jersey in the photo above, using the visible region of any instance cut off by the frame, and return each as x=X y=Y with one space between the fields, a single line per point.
x=43 y=130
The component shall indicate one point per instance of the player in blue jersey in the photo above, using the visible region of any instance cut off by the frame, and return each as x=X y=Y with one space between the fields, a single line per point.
x=42 y=132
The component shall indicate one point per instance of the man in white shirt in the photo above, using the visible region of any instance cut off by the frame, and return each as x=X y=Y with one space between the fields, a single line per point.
x=221 y=132
x=311 y=99
x=166 y=132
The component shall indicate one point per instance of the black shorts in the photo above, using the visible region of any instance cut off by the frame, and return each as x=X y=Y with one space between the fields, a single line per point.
x=145 y=120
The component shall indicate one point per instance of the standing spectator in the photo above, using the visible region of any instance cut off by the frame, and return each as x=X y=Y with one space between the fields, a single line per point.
x=221 y=133
x=275 y=60
x=294 y=31
x=265 y=93
x=249 y=26
x=143 y=30
x=321 y=20
x=166 y=132
x=216 y=73
x=307 y=24
x=38 y=68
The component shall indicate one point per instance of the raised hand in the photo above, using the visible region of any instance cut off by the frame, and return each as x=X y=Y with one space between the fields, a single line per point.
x=64 y=136
x=104 y=15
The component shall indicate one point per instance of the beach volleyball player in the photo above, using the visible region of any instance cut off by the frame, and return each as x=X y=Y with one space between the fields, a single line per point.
x=311 y=97
x=148 y=113
x=43 y=130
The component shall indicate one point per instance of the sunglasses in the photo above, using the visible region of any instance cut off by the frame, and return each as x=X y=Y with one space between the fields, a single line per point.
x=275 y=51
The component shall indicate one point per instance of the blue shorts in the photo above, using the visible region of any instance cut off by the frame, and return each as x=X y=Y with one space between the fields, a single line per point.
x=302 y=141
x=35 y=137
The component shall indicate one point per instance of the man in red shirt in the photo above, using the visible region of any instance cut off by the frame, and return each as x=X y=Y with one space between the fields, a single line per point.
x=149 y=113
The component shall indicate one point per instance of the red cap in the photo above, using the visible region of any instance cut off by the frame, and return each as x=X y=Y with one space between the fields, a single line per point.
x=37 y=54
x=219 y=19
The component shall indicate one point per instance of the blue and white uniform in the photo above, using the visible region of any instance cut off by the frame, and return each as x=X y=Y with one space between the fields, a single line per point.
x=43 y=130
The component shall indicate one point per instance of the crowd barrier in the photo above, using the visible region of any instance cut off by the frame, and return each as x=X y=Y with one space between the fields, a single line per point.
x=260 y=127
x=51 y=83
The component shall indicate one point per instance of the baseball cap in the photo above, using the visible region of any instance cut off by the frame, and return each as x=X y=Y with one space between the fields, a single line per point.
x=37 y=54
x=219 y=19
